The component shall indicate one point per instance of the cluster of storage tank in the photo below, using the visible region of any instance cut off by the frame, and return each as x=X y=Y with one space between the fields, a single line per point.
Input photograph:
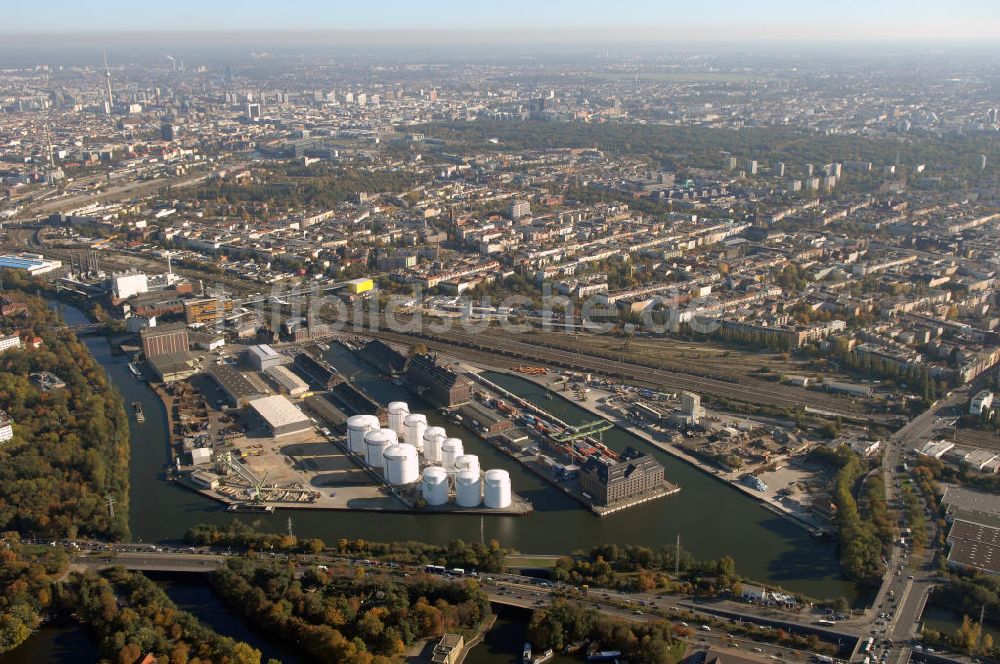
x=396 y=450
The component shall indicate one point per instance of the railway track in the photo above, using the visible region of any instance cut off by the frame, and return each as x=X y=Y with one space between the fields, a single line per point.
x=489 y=346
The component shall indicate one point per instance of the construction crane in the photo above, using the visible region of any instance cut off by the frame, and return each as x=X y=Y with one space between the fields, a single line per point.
x=255 y=486
x=583 y=431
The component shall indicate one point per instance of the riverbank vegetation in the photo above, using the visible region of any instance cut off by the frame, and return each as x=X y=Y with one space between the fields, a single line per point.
x=26 y=576
x=563 y=623
x=71 y=445
x=641 y=569
x=130 y=617
x=457 y=553
x=862 y=539
x=349 y=617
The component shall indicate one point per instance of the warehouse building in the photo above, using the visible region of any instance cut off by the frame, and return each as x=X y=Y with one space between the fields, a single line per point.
x=33 y=264
x=359 y=286
x=237 y=389
x=286 y=381
x=633 y=474
x=164 y=339
x=172 y=367
x=486 y=421
x=439 y=384
x=262 y=357
x=282 y=417
x=974 y=546
x=128 y=284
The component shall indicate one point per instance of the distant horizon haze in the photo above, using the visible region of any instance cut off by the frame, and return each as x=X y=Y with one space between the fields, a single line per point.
x=554 y=21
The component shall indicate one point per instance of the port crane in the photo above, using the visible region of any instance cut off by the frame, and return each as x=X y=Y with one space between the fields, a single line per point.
x=594 y=428
x=255 y=486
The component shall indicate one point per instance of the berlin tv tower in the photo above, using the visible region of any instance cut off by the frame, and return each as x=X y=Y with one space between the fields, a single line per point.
x=107 y=81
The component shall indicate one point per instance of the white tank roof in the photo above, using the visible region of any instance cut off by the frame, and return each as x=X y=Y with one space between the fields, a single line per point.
x=435 y=485
x=360 y=421
x=496 y=488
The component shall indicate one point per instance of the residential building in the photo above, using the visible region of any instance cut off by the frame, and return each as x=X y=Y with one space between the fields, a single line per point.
x=10 y=342
x=6 y=427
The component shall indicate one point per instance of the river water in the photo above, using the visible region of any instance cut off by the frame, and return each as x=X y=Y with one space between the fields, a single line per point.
x=712 y=518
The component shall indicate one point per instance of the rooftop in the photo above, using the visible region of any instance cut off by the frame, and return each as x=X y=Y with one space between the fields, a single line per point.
x=278 y=411
x=967 y=500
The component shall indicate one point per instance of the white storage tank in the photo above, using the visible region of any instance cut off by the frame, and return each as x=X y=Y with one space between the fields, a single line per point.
x=412 y=470
x=357 y=427
x=467 y=462
x=414 y=426
x=376 y=443
x=401 y=464
x=398 y=410
x=468 y=491
x=433 y=438
x=496 y=488
x=435 y=485
x=451 y=449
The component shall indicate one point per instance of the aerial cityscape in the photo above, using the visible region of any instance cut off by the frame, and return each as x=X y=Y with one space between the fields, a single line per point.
x=503 y=332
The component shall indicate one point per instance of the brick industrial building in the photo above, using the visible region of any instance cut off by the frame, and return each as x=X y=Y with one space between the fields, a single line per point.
x=633 y=474
x=439 y=384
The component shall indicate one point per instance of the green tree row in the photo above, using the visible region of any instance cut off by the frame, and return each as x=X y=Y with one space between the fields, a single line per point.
x=337 y=616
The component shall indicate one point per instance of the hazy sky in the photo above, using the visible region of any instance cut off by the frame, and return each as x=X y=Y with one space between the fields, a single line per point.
x=671 y=19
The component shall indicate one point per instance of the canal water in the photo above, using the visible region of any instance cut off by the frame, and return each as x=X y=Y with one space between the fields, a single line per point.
x=54 y=643
x=191 y=593
x=504 y=643
x=948 y=621
x=712 y=518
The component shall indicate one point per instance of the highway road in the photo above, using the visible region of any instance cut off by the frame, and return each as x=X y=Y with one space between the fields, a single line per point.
x=510 y=589
x=895 y=613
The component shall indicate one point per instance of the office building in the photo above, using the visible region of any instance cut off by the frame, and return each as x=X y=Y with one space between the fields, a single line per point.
x=169 y=131
x=207 y=310
x=518 y=209
x=691 y=406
